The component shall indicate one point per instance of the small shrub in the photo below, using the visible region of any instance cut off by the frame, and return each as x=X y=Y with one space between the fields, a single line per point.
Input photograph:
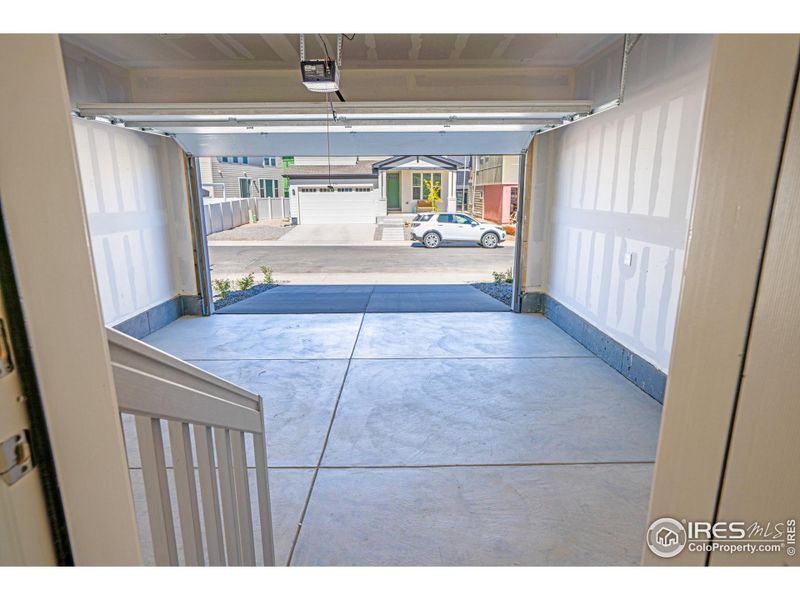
x=267 y=273
x=503 y=277
x=246 y=282
x=222 y=287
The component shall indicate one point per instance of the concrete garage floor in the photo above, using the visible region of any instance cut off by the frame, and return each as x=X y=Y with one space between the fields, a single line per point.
x=437 y=438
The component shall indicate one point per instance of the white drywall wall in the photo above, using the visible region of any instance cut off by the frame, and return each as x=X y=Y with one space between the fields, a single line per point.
x=136 y=203
x=621 y=182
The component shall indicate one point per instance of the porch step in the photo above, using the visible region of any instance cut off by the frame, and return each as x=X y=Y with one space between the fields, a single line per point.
x=398 y=218
x=392 y=232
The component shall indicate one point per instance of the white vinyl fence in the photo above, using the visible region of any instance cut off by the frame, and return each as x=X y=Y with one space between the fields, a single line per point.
x=227 y=213
x=273 y=208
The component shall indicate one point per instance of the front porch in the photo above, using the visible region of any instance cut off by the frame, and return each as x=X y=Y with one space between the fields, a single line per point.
x=404 y=183
x=507 y=444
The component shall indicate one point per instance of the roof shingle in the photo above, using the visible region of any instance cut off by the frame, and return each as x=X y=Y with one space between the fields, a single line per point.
x=362 y=167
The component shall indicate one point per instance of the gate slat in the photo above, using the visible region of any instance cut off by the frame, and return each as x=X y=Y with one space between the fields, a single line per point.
x=159 y=506
x=209 y=494
x=186 y=488
x=242 y=487
x=228 y=496
x=264 y=505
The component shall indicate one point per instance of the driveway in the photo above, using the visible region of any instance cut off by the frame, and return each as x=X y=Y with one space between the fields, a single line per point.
x=311 y=299
x=345 y=233
x=367 y=265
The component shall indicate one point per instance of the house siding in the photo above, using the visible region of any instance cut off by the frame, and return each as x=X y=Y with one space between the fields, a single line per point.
x=228 y=174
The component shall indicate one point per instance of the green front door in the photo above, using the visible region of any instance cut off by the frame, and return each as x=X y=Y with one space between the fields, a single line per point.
x=393 y=191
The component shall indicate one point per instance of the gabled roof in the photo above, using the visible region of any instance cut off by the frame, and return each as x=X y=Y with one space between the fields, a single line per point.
x=409 y=162
x=362 y=168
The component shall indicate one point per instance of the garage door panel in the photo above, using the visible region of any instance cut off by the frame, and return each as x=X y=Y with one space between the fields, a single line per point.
x=318 y=208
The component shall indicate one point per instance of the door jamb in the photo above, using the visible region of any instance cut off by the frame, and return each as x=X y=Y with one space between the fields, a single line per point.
x=521 y=224
x=202 y=266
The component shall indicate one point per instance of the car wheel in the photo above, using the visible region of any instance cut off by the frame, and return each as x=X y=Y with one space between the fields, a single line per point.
x=431 y=239
x=490 y=240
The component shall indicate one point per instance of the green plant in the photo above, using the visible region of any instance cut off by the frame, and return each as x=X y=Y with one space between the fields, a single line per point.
x=222 y=287
x=246 y=282
x=503 y=277
x=267 y=273
x=434 y=193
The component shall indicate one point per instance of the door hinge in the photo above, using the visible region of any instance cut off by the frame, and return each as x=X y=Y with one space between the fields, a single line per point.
x=15 y=457
x=6 y=366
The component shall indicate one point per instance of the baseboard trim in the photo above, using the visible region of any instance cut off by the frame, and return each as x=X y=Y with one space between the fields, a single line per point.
x=153 y=319
x=633 y=367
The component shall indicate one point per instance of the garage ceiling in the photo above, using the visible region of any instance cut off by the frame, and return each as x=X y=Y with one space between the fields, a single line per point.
x=281 y=51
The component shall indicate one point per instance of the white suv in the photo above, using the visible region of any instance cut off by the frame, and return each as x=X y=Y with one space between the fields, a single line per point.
x=434 y=228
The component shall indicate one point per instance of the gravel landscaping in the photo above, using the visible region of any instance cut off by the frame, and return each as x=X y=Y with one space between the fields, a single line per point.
x=498 y=291
x=235 y=296
x=252 y=232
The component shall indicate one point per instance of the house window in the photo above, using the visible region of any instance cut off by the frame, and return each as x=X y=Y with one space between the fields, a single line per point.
x=269 y=161
x=244 y=187
x=419 y=191
x=265 y=187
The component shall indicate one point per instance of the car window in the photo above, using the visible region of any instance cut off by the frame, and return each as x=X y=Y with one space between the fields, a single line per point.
x=426 y=217
x=463 y=220
x=445 y=218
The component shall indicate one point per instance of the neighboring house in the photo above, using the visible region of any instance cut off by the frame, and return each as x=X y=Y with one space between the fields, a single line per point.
x=361 y=189
x=401 y=181
x=243 y=176
x=495 y=187
x=341 y=189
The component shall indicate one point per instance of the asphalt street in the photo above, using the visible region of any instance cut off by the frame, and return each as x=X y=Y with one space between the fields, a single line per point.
x=391 y=264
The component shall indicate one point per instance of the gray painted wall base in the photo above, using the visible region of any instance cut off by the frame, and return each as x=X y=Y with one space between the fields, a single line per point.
x=636 y=369
x=155 y=318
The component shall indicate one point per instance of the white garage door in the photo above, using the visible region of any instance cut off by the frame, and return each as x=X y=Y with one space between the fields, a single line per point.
x=337 y=207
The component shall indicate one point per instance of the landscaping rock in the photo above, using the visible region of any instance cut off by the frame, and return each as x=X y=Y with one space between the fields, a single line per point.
x=235 y=296
x=499 y=291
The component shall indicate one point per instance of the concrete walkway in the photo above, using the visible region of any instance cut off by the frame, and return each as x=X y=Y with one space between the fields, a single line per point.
x=311 y=299
x=345 y=233
x=437 y=439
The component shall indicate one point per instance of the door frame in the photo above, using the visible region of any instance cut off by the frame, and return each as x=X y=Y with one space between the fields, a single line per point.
x=66 y=334
x=735 y=188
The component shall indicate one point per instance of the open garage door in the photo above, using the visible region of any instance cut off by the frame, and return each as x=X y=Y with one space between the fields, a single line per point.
x=352 y=128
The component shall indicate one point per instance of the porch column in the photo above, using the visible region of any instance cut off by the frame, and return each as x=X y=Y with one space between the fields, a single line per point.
x=381 y=209
x=451 y=191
